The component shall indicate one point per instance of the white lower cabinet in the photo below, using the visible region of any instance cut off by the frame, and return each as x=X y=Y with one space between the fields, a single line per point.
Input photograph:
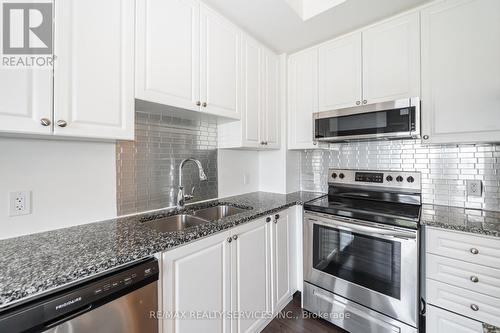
x=240 y=276
x=281 y=237
x=442 y=321
x=196 y=280
x=462 y=281
x=251 y=269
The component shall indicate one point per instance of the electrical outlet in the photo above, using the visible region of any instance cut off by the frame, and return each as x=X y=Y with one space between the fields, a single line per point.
x=474 y=188
x=20 y=203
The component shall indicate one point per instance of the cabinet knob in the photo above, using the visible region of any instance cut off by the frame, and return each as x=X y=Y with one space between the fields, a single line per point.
x=45 y=122
x=315 y=143
x=62 y=123
x=365 y=101
x=425 y=137
x=204 y=104
x=229 y=239
x=474 y=307
x=358 y=102
x=277 y=216
x=235 y=237
x=268 y=219
x=474 y=279
x=474 y=251
x=198 y=103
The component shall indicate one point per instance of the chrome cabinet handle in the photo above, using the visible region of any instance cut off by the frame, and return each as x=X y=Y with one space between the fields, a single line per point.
x=365 y=101
x=62 y=123
x=198 y=103
x=474 y=251
x=235 y=237
x=204 y=104
x=45 y=122
x=229 y=239
x=358 y=102
x=474 y=307
x=474 y=279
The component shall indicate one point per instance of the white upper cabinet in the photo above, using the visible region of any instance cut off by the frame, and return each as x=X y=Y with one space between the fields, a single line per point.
x=220 y=65
x=94 y=69
x=168 y=52
x=259 y=127
x=188 y=56
x=26 y=100
x=340 y=73
x=391 y=60
x=252 y=93
x=271 y=106
x=302 y=98
x=461 y=71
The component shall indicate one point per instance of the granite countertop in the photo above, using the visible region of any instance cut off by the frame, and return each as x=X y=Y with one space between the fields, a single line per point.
x=35 y=264
x=462 y=219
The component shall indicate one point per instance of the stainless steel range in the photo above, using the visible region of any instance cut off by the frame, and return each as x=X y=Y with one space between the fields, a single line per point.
x=361 y=251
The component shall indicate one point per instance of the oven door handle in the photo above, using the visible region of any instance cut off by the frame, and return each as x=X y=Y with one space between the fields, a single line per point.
x=362 y=228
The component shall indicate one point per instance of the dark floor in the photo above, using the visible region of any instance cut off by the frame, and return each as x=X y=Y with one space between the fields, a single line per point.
x=293 y=321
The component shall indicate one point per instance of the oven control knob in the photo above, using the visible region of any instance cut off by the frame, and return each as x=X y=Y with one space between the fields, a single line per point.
x=399 y=179
x=389 y=178
x=341 y=176
x=334 y=175
x=410 y=179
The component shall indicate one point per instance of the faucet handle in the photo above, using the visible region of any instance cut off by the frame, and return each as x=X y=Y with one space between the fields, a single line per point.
x=193 y=189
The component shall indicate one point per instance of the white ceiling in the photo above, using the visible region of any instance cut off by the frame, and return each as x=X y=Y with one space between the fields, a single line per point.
x=277 y=25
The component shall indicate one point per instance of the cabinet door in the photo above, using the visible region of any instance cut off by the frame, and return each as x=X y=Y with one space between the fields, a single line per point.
x=94 y=68
x=251 y=286
x=302 y=98
x=441 y=321
x=220 y=65
x=252 y=93
x=25 y=98
x=461 y=71
x=168 y=52
x=271 y=120
x=340 y=73
x=197 y=278
x=391 y=60
x=281 y=260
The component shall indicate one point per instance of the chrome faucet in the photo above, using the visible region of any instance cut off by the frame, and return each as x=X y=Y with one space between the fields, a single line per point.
x=182 y=197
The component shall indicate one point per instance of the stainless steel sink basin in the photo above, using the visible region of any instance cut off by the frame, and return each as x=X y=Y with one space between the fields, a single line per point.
x=218 y=212
x=175 y=223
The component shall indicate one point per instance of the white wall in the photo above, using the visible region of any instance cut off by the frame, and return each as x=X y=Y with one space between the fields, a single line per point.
x=238 y=172
x=72 y=183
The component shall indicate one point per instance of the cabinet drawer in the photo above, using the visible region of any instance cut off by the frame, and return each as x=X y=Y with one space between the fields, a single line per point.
x=442 y=321
x=462 y=301
x=473 y=277
x=464 y=247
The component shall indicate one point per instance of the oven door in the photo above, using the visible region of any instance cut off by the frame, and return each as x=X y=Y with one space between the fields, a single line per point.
x=396 y=119
x=371 y=264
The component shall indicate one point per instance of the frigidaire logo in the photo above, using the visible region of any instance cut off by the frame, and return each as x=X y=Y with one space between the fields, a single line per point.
x=68 y=303
x=27 y=34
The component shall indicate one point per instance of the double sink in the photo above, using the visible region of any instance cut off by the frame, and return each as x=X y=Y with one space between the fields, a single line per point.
x=184 y=221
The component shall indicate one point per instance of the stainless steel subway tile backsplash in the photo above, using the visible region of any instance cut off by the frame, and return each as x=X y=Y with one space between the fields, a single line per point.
x=445 y=169
x=147 y=168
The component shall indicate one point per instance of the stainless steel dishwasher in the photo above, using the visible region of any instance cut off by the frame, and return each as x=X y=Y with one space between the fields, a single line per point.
x=124 y=301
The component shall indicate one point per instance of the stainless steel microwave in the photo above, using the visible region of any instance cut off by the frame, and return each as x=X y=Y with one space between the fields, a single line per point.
x=398 y=119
